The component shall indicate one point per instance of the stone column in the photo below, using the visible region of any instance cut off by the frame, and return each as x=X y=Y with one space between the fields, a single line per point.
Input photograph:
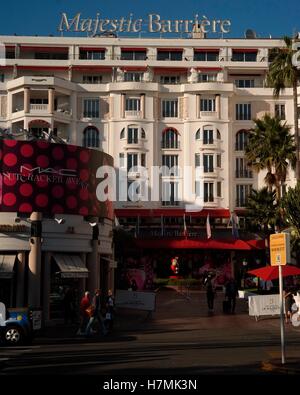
x=20 y=279
x=34 y=263
x=50 y=100
x=46 y=287
x=143 y=108
x=218 y=108
x=198 y=98
x=93 y=261
x=26 y=100
x=123 y=99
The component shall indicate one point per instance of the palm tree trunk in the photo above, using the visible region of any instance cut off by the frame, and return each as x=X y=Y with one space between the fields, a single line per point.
x=296 y=128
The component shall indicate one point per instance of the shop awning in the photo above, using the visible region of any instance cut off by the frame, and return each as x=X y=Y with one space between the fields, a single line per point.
x=245 y=245
x=7 y=263
x=71 y=266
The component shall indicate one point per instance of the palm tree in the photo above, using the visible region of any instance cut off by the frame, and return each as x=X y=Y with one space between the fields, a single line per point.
x=262 y=209
x=282 y=74
x=271 y=147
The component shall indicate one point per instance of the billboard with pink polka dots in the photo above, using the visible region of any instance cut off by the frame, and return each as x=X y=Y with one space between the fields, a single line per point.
x=51 y=178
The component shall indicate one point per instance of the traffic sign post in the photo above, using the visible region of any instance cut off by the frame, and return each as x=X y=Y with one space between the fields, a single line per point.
x=280 y=255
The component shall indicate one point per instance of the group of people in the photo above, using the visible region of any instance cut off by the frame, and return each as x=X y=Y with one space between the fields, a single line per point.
x=94 y=309
x=231 y=292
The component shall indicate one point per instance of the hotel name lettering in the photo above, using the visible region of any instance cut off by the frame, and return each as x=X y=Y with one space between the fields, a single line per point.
x=154 y=23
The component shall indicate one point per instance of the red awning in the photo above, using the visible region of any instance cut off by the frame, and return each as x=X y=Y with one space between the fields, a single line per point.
x=169 y=49
x=244 y=50
x=171 y=212
x=42 y=67
x=195 y=244
x=102 y=69
x=170 y=70
x=135 y=49
x=207 y=50
x=209 y=68
x=92 y=49
x=134 y=68
x=44 y=49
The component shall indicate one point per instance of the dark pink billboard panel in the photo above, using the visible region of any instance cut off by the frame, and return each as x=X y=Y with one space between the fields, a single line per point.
x=51 y=178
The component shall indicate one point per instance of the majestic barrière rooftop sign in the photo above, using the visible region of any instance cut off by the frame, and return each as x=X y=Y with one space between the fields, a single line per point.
x=154 y=24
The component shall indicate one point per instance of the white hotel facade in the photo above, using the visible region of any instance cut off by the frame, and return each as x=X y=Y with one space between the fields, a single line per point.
x=148 y=102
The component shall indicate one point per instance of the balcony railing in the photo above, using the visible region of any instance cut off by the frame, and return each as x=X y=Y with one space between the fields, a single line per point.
x=243 y=173
x=208 y=114
x=168 y=145
x=241 y=202
x=39 y=107
x=133 y=113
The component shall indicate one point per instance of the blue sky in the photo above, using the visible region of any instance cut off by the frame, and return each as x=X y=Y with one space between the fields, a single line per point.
x=41 y=17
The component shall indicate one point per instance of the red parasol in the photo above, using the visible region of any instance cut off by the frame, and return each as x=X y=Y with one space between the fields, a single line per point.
x=271 y=272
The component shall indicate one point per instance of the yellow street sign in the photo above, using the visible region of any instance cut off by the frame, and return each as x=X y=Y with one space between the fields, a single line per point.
x=280 y=249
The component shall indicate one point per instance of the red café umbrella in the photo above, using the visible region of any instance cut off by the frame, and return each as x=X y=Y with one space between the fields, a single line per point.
x=271 y=272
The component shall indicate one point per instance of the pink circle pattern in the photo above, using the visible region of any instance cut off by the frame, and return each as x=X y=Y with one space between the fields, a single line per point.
x=32 y=191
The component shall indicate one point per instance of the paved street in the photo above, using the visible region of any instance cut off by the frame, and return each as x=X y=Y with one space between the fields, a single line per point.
x=180 y=338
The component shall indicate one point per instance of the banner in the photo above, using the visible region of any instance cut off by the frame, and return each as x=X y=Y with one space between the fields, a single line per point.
x=135 y=300
x=51 y=178
x=264 y=305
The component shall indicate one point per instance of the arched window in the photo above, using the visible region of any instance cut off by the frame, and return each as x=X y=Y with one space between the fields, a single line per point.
x=143 y=134
x=218 y=134
x=170 y=138
x=122 y=134
x=241 y=140
x=198 y=134
x=91 y=137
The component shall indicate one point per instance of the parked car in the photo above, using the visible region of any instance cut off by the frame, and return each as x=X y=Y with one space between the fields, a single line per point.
x=19 y=325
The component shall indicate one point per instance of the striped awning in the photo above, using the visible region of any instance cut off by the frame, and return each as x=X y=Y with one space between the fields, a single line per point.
x=71 y=266
x=7 y=263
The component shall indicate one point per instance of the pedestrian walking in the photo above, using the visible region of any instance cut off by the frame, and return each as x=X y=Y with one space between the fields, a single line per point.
x=288 y=301
x=210 y=292
x=85 y=304
x=110 y=310
x=231 y=294
x=96 y=315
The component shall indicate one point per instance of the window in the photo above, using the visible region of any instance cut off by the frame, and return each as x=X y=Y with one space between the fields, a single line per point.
x=170 y=194
x=208 y=163
x=1 y=77
x=169 y=55
x=132 y=135
x=280 y=111
x=91 y=108
x=242 y=193
x=208 y=192
x=91 y=137
x=92 y=79
x=244 y=83
x=143 y=160
x=208 y=136
x=206 y=56
x=207 y=77
x=241 y=140
x=198 y=134
x=243 y=112
x=92 y=54
x=241 y=168
x=197 y=160
x=133 y=55
x=239 y=56
x=143 y=133
x=133 y=76
x=133 y=104
x=170 y=108
x=50 y=55
x=219 y=189
x=38 y=101
x=219 y=160
x=132 y=162
x=169 y=79
x=121 y=160
x=208 y=105
x=170 y=161
x=170 y=139
x=122 y=134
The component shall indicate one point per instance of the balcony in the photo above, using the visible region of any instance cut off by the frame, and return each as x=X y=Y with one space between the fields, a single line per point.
x=209 y=114
x=167 y=146
x=133 y=114
x=243 y=173
x=38 y=108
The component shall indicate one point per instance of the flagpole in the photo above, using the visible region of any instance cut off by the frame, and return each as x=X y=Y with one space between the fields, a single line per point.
x=282 y=329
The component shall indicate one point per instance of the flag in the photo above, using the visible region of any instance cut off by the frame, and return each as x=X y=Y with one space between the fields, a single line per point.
x=184 y=227
x=208 y=229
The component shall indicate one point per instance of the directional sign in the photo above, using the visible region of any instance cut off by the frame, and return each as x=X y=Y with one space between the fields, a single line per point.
x=280 y=249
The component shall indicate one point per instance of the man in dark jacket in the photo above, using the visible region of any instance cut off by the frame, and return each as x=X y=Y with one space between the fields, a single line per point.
x=96 y=315
x=231 y=293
